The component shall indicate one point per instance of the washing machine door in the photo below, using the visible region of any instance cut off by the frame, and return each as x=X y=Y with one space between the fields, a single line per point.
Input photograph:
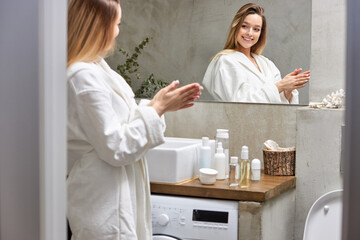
x=164 y=237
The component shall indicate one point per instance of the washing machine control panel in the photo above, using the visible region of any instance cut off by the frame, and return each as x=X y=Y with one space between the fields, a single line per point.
x=194 y=218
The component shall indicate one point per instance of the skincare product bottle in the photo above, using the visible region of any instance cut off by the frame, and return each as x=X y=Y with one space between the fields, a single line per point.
x=255 y=169
x=220 y=160
x=222 y=135
x=234 y=172
x=205 y=154
x=213 y=150
x=244 y=168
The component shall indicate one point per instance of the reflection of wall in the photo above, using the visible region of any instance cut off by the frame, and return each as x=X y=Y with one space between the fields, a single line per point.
x=187 y=33
x=327 y=48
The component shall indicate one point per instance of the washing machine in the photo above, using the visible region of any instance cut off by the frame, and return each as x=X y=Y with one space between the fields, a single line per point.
x=188 y=218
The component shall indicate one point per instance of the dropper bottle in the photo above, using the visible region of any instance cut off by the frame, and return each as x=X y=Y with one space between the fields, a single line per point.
x=244 y=168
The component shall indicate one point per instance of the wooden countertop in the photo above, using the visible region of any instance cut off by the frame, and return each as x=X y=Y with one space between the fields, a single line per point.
x=268 y=187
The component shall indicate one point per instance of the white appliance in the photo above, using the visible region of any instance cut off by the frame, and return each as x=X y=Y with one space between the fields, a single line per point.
x=188 y=218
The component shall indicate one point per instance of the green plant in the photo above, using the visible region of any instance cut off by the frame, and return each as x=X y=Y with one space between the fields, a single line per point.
x=150 y=85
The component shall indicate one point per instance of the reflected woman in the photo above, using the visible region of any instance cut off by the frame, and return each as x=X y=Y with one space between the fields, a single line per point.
x=239 y=73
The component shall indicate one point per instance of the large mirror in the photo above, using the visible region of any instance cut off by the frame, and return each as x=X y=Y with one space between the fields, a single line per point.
x=185 y=34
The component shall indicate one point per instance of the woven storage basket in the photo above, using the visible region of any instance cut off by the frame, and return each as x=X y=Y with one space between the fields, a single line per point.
x=279 y=163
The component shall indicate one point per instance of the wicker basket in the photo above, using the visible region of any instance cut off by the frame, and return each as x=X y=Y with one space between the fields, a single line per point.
x=279 y=163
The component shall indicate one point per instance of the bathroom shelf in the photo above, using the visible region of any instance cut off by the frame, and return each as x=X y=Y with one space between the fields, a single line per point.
x=269 y=187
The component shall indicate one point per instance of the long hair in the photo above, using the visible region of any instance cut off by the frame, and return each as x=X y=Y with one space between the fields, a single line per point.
x=90 y=29
x=250 y=8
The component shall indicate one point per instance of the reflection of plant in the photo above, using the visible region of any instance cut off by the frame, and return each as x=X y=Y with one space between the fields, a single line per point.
x=149 y=86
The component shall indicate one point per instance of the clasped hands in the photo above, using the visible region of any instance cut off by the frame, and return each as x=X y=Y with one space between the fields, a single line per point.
x=293 y=80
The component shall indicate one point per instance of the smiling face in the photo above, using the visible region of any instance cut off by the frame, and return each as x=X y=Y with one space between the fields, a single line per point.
x=249 y=33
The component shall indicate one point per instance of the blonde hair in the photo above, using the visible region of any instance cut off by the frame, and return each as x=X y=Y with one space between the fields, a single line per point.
x=247 y=9
x=90 y=29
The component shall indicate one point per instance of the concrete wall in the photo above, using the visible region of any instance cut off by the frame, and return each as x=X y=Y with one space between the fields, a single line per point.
x=249 y=221
x=248 y=124
x=187 y=33
x=318 y=131
x=317 y=159
x=328 y=48
x=278 y=217
x=256 y=220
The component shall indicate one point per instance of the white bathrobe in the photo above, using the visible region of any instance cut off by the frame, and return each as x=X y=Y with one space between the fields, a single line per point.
x=108 y=135
x=232 y=77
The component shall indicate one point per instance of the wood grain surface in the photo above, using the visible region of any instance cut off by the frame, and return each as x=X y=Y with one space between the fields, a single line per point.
x=268 y=187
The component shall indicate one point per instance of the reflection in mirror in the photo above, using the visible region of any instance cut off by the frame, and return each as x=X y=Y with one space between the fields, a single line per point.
x=185 y=34
x=239 y=73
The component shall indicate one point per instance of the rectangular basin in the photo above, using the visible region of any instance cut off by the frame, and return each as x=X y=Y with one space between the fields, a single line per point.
x=174 y=161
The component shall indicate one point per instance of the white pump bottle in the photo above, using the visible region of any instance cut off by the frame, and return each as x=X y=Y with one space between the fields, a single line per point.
x=220 y=162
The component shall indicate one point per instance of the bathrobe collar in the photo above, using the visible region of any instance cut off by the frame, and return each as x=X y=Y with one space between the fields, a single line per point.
x=246 y=62
x=117 y=83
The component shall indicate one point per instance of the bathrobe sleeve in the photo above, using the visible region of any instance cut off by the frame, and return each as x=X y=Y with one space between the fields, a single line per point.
x=277 y=77
x=144 y=102
x=118 y=140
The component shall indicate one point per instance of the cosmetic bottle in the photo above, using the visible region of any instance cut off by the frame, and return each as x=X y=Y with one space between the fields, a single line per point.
x=220 y=160
x=205 y=154
x=255 y=170
x=213 y=150
x=222 y=135
x=244 y=168
x=234 y=172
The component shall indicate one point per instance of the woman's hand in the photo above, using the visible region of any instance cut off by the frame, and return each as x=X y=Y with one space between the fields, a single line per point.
x=292 y=81
x=171 y=98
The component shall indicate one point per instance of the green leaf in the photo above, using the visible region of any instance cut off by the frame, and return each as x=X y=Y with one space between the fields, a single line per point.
x=129 y=70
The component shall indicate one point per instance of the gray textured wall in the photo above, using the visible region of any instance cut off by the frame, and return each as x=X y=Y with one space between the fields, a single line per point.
x=328 y=45
x=187 y=33
x=319 y=135
x=248 y=124
x=317 y=159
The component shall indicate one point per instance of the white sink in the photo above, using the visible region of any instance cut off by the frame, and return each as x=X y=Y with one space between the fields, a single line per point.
x=174 y=161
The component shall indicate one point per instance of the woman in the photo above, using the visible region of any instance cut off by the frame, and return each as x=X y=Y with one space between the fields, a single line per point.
x=108 y=133
x=240 y=74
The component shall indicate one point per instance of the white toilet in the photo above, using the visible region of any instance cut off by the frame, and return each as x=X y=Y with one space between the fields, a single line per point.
x=324 y=218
